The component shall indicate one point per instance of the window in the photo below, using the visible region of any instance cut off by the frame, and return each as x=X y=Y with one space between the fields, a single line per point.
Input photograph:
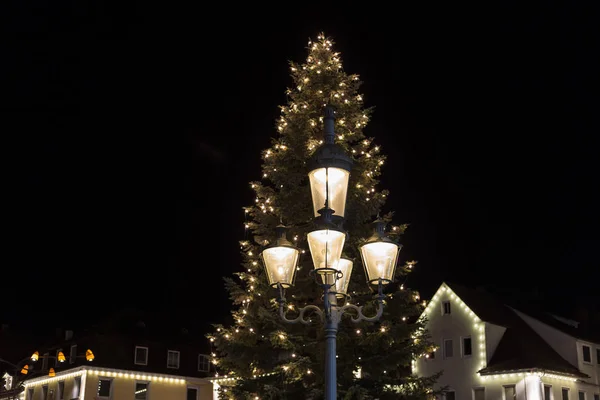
x=104 y=386
x=141 y=390
x=547 y=392
x=45 y=362
x=596 y=396
x=479 y=393
x=76 y=387
x=192 y=394
x=446 y=307
x=141 y=355
x=448 y=350
x=565 y=393
x=73 y=354
x=203 y=363
x=172 y=359
x=61 y=390
x=450 y=395
x=466 y=347
x=587 y=354
x=581 y=395
x=30 y=394
x=44 y=392
x=598 y=356
x=510 y=392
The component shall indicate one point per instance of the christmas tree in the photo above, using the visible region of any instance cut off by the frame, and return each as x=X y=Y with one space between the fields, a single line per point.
x=270 y=359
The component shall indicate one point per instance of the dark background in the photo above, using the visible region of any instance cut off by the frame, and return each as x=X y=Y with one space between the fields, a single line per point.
x=130 y=135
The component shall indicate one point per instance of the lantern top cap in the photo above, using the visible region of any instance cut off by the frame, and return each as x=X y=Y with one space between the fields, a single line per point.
x=281 y=240
x=326 y=220
x=329 y=154
x=379 y=233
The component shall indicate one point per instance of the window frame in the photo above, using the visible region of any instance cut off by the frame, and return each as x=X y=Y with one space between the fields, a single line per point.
x=550 y=392
x=589 y=348
x=477 y=388
x=60 y=392
x=598 y=355
x=514 y=388
x=207 y=360
x=446 y=356
x=73 y=354
x=110 y=390
x=135 y=360
x=462 y=346
x=77 y=384
x=445 y=397
x=194 y=388
x=147 y=383
x=579 y=393
x=444 y=307
x=178 y=358
x=562 y=392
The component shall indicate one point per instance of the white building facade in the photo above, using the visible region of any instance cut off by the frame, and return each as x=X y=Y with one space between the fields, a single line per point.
x=489 y=351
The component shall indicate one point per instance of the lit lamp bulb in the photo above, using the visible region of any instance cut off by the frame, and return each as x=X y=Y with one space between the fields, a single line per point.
x=35 y=356
x=379 y=255
x=341 y=284
x=281 y=259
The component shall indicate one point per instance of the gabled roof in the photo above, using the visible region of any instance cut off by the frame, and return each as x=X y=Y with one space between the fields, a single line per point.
x=520 y=348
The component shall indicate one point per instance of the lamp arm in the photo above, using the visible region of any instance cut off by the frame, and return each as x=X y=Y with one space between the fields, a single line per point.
x=302 y=311
x=300 y=318
x=359 y=314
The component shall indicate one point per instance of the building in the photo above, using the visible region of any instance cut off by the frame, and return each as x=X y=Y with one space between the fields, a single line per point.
x=141 y=357
x=490 y=351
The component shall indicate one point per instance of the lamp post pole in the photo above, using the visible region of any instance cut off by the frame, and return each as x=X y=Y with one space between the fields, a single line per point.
x=329 y=173
x=330 y=317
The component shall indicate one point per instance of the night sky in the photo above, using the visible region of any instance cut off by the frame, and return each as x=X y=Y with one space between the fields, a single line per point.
x=130 y=135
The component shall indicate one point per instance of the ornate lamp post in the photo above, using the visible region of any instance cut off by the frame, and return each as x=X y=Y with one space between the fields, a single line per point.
x=329 y=175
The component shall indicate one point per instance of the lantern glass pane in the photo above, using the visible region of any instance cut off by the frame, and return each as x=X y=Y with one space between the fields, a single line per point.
x=380 y=259
x=280 y=263
x=338 y=189
x=326 y=247
x=345 y=266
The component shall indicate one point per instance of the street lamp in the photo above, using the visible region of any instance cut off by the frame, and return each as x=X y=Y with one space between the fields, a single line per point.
x=329 y=168
x=379 y=255
x=329 y=173
x=281 y=260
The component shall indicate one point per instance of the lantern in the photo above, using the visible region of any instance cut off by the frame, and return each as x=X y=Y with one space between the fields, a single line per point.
x=281 y=260
x=51 y=372
x=341 y=285
x=379 y=255
x=61 y=357
x=25 y=369
x=326 y=244
x=89 y=355
x=329 y=168
x=35 y=356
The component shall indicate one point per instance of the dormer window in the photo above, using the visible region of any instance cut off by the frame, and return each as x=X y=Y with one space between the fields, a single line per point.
x=141 y=355
x=173 y=359
x=587 y=354
x=446 y=307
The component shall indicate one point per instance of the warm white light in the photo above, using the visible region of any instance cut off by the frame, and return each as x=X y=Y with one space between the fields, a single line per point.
x=280 y=263
x=336 y=179
x=380 y=260
x=326 y=247
x=345 y=267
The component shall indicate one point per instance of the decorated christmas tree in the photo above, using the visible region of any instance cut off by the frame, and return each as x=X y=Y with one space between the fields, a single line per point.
x=261 y=356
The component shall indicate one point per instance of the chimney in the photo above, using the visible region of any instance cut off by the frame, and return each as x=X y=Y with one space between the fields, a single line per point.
x=68 y=334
